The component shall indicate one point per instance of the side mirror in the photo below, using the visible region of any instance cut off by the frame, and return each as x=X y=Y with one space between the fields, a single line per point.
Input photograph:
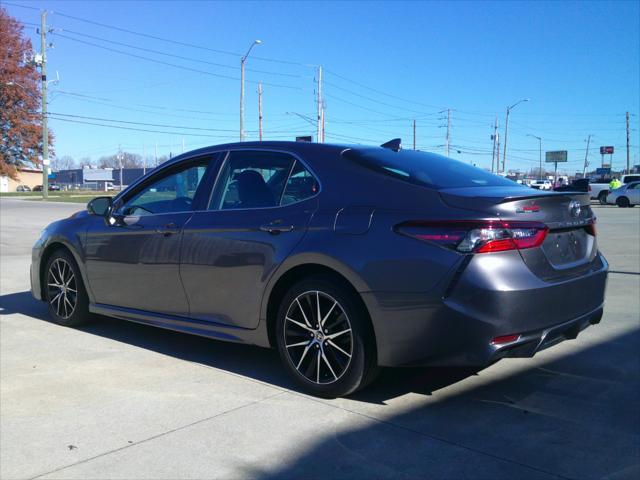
x=100 y=206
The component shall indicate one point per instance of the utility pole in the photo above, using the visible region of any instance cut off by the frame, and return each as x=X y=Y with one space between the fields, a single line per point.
x=243 y=60
x=448 y=129
x=45 y=131
x=506 y=132
x=144 y=159
x=324 y=109
x=494 y=137
x=414 y=134
x=319 y=101
x=586 y=157
x=498 y=152
x=540 y=153
x=260 y=110
x=120 y=164
x=628 y=158
x=156 y=155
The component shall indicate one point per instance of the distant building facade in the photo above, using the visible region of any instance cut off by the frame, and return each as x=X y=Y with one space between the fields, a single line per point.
x=25 y=176
x=96 y=178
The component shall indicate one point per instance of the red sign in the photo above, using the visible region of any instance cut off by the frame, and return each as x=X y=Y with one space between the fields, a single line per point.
x=606 y=150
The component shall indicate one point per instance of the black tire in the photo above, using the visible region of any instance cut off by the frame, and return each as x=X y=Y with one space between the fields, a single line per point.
x=602 y=197
x=316 y=358
x=64 y=291
x=623 y=202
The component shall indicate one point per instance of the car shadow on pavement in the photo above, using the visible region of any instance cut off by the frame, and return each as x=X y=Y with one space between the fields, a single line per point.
x=257 y=363
x=574 y=416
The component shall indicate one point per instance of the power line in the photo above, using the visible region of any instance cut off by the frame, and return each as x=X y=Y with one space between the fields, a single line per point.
x=190 y=59
x=203 y=112
x=161 y=125
x=380 y=91
x=68 y=117
x=140 y=129
x=355 y=104
x=378 y=101
x=182 y=67
x=21 y=6
x=175 y=42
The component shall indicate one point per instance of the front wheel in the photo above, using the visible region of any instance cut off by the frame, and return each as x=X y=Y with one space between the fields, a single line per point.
x=623 y=202
x=324 y=338
x=602 y=198
x=64 y=291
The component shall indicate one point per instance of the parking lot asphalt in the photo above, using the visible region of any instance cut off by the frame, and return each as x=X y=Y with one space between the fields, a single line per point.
x=116 y=400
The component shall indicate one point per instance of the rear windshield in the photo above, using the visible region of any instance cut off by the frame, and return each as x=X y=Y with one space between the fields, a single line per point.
x=425 y=169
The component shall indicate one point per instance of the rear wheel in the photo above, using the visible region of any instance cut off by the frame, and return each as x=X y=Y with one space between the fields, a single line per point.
x=64 y=291
x=623 y=202
x=324 y=338
x=602 y=197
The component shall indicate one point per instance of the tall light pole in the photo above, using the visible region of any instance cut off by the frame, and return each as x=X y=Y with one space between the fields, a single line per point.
x=540 y=142
x=243 y=60
x=506 y=131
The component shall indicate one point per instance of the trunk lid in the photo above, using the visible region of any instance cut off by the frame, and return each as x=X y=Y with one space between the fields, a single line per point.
x=570 y=248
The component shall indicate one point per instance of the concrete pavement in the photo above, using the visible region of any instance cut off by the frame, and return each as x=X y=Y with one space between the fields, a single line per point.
x=120 y=400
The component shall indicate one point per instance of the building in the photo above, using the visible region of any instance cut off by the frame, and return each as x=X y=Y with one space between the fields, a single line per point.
x=96 y=178
x=25 y=176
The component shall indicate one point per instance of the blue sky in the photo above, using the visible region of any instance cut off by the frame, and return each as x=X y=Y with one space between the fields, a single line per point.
x=385 y=63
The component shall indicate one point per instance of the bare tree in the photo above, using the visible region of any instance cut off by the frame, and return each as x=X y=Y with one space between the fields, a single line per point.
x=65 y=162
x=129 y=160
x=86 y=162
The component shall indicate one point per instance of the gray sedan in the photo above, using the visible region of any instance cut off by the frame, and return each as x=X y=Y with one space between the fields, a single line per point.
x=343 y=258
x=626 y=196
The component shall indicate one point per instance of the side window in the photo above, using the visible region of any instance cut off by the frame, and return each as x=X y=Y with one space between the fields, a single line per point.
x=252 y=179
x=173 y=192
x=300 y=185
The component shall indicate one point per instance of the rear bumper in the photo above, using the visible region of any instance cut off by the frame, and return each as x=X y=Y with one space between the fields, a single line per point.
x=456 y=326
x=531 y=343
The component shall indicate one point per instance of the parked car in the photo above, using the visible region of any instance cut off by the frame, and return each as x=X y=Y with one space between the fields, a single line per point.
x=600 y=188
x=542 y=184
x=342 y=258
x=54 y=187
x=578 y=185
x=37 y=188
x=626 y=196
x=23 y=188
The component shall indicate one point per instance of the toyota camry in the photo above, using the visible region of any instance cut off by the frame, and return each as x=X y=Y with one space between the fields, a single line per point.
x=343 y=258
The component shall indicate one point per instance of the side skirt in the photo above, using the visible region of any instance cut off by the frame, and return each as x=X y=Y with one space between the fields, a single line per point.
x=177 y=323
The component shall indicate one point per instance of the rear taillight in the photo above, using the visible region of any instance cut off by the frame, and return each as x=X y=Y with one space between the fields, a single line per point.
x=591 y=228
x=477 y=236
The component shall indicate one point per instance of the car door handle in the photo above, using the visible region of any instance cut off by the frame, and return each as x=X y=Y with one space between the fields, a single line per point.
x=276 y=228
x=168 y=229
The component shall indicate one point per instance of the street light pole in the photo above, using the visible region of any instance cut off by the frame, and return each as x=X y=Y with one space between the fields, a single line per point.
x=506 y=132
x=242 y=62
x=540 y=143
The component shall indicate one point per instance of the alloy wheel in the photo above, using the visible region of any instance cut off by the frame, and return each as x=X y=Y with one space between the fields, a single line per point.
x=62 y=288
x=318 y=338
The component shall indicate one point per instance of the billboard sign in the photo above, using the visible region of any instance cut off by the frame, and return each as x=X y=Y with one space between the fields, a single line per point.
x=97 y=174
x=606 y=150
x=556 y=157
x=603 y=171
